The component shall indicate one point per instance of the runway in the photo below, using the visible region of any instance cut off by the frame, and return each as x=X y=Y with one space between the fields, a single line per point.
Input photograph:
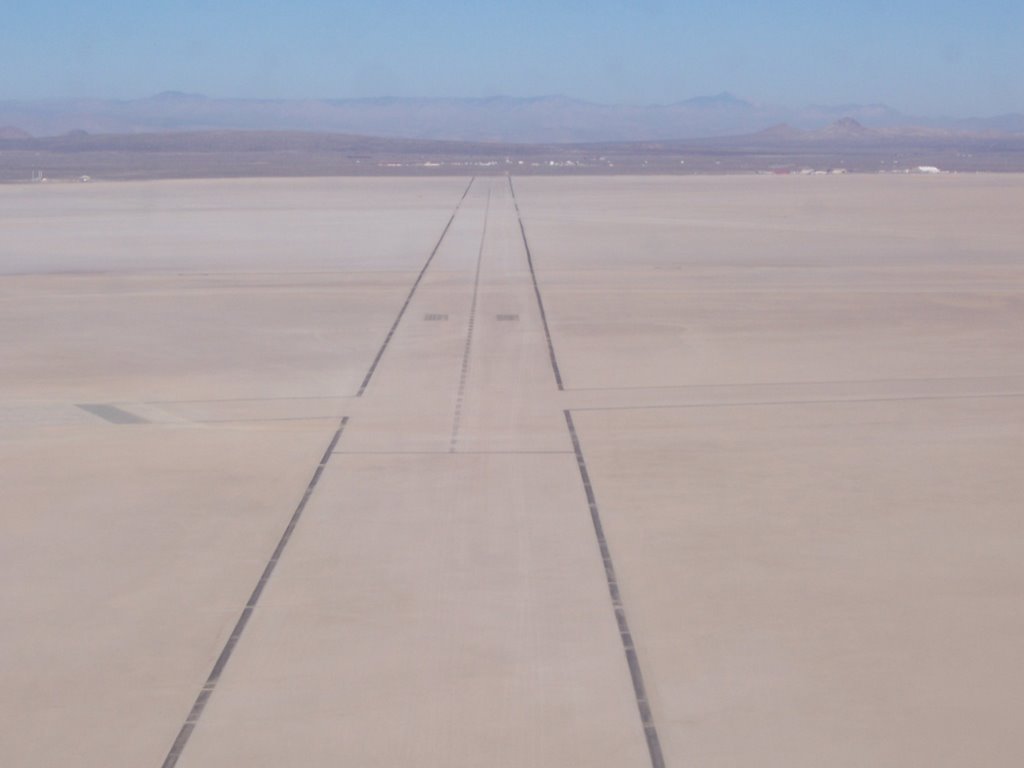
x=483 y=472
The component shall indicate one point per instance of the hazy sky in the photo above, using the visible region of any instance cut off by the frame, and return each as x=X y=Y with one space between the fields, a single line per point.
x=921 y=56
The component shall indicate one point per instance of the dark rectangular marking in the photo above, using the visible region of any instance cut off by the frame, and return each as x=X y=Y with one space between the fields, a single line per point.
x=112 y=413
x=507 y=317
x=430 y=316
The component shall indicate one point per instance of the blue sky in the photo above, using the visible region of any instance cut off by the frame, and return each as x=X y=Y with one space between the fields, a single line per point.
x=938 y=57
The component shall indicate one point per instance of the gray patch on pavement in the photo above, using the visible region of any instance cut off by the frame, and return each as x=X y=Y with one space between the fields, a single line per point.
x=112 y=413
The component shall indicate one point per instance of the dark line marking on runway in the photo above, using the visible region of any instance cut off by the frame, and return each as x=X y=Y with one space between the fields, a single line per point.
x=408 y=299
x=640 y=691
x=839 y=401
x=225 y=655
x=111 y=413
x=258 y=419
x=464 y=371
x=806 y=382
x=446 y=453
x=247 y=399
x=536 y=289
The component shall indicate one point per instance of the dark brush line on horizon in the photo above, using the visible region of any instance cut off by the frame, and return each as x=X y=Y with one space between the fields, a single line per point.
x=721 y=99
x=540 y=119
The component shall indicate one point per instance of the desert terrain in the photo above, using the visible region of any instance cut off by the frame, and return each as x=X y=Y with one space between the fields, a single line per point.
x=844 y=146
x=489 y=471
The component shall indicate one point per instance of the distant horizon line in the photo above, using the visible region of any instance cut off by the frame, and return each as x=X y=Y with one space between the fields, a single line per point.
x=724 y=97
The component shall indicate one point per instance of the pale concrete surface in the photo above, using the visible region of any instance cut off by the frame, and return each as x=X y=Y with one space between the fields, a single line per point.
x=726 y=280
x=129 y=550
x=804 y=600
x=432 y=611
x=799 y=400
x=803 y=410
x=453 y=607
x=212 y=228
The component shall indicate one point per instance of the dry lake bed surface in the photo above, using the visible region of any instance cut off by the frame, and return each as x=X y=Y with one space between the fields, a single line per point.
x=706 y=471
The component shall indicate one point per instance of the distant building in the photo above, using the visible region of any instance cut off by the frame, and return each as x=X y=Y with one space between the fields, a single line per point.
x=927 y=169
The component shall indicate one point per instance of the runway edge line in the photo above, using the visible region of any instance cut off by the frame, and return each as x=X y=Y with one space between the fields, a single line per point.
x=632 y=660
x=182 y=739
x=464 y=370
x=536 y=290
x=408 y=299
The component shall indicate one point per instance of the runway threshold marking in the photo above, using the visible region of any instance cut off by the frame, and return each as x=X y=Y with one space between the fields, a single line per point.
x=632 y=660
x=181 y=741
x=464 y=371
x=536 y=289
x=408 y=299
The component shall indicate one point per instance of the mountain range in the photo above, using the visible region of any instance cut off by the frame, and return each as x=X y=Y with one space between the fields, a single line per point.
x=544 y=119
